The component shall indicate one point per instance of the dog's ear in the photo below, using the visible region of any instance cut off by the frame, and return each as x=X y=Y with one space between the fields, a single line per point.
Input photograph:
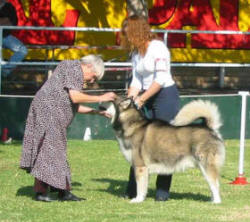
x=126 y=103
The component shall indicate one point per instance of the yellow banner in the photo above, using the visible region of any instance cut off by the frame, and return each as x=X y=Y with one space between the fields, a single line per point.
x=163 y=14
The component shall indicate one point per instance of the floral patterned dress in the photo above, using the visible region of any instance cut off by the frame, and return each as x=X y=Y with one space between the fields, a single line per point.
x=44 y=152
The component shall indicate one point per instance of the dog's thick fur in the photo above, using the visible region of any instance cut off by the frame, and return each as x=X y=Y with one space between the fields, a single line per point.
x=158 y=147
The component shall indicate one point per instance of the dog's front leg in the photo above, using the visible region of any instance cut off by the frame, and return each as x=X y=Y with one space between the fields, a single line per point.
x=141 y=175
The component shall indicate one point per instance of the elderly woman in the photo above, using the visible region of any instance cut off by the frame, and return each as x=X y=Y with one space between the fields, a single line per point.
x=152 y=86
x=44 y=144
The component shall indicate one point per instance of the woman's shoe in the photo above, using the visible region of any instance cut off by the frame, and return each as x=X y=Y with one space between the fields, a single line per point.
x=43 y=197
x=68 y=196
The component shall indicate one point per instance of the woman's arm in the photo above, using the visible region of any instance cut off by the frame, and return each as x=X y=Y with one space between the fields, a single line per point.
x=133 y=92
x=85 y=109
x=88 y=110
x=79 y=97
x=151 y=91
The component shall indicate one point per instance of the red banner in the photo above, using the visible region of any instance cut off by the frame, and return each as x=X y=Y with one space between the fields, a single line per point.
x=199 y=15
x=40 y=15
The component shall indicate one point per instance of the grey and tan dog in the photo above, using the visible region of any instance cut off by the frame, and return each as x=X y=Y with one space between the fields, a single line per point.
x=158 y=147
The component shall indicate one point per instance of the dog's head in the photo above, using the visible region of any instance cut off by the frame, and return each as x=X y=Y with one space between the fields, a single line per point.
x=116 y=107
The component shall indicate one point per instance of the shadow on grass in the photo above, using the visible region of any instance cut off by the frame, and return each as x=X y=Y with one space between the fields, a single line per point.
x=118 y=187
x=28 y=191
x=230 y=179
x=76 y=185
x=189 y=196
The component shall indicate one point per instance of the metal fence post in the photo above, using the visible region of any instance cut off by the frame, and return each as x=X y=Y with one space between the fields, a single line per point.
x=241 y=180
x=221 y=77
x=165 y=37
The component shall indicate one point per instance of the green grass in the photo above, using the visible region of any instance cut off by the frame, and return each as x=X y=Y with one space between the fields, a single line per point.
x=99 y=173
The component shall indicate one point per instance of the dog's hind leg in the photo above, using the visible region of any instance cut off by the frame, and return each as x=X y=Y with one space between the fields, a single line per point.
x=142 y=177
x=211 y=174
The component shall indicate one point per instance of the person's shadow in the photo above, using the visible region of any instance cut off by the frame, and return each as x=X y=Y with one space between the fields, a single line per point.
x=28 y=191
x=25 y=191
x=118 y=187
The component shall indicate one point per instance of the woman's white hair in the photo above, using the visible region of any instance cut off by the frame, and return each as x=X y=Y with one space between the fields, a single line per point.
x=97 y=63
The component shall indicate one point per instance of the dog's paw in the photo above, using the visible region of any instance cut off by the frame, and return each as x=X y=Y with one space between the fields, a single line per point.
x=216 y=200
x=137 y=200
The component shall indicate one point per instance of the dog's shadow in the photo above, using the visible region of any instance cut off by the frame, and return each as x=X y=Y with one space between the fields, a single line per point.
x=28 y=191
x=118 y=187
x=115 y=187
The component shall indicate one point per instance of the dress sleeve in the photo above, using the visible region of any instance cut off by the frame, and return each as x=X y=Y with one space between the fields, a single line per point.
x=162 y=63
x=73 y=75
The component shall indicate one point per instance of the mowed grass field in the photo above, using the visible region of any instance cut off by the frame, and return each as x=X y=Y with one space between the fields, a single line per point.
x=99 y=173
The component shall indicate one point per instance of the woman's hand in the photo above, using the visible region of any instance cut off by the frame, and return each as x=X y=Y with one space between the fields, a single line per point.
x=105 y=114
x=139 y=102
x=151 y=91
x=101 y=113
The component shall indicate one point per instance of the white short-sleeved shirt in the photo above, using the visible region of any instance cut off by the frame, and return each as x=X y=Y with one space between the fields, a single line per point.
x=153 y=66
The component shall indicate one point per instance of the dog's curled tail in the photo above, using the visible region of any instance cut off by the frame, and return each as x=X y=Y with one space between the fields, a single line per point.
x=199 y=109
